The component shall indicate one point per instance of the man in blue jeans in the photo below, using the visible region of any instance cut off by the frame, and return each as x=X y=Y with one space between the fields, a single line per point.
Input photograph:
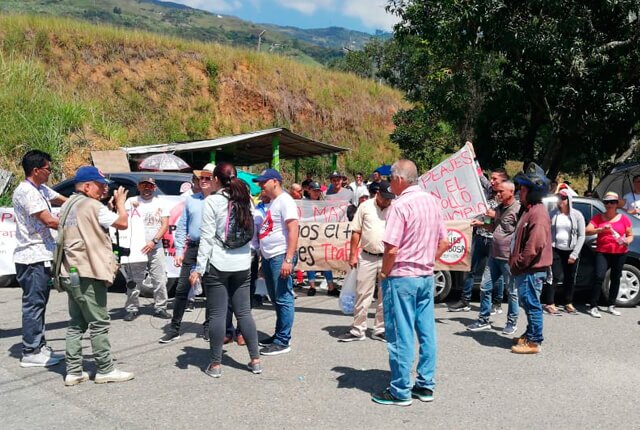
x=278 y=238
x=481 y=247
x=414 y=237
x=503 y=227
x=531 y=255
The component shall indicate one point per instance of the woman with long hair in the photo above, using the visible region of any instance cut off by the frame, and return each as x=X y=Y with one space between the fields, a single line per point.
x=223 y=269
x=612 y=244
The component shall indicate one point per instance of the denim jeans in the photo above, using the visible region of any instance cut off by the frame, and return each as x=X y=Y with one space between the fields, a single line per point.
x=480 y=249
x=497 y=270
x=328 y=275
x=529 y=290
x=408 y=309
x=615 y=262
x=281 y=294
x=34 y=280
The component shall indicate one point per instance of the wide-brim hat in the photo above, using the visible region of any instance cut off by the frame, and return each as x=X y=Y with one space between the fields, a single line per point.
x=206 y=170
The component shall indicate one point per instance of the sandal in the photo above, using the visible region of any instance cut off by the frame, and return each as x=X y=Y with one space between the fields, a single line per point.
x=570 y=309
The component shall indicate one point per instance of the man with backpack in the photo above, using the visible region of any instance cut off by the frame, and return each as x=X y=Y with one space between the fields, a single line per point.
x=278 y=244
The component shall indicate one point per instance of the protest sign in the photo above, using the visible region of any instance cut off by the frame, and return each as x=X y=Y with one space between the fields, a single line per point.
x=322 y=210
x=7 y=241
x=458 y=256
x=456 y=184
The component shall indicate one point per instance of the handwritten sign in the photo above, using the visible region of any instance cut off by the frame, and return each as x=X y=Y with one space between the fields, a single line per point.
x=456 y=184
x=458 y=255
x=324 y=246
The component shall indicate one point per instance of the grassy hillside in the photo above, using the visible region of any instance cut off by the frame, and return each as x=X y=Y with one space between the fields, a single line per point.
x=68 y=87
x=309 y=46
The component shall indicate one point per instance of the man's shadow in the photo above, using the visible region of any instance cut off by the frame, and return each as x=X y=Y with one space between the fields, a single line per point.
x=368 y=380
x=199 y=357
x=485 y=337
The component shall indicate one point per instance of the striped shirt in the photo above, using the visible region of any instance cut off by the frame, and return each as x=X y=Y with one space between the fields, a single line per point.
x=414 y=225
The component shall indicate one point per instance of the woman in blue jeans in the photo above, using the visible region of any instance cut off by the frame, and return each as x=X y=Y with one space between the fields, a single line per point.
x=225 y=269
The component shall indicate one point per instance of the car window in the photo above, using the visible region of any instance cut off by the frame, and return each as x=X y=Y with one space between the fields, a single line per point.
x=129 y=185
x=66 y=189
x=170 y=187
x=585 y=209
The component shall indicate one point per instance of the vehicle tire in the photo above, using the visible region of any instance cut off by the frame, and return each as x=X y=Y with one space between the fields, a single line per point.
x=8 y=281
x=442 y=285
x=629 y=294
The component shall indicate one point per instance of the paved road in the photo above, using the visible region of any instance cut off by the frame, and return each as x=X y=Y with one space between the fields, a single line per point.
x=586 y=377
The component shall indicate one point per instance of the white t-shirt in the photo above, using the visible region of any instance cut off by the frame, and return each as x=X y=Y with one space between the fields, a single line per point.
x=563 y=232
x=632 y=201
x=34 y=240
x=151 y=213
x=273 y=233
x=343 y=194
x=358 y=191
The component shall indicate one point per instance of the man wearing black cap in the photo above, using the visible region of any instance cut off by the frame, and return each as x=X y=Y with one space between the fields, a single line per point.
x=154 y=216
x=84 y=224
x=337 y=191
x=278 y=237
x=366 y=236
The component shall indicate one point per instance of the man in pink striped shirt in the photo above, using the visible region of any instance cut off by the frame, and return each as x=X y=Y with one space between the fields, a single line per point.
x=414 y=238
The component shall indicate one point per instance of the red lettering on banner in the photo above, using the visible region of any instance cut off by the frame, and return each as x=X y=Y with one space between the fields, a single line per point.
x=334 y=253
x=6 y=216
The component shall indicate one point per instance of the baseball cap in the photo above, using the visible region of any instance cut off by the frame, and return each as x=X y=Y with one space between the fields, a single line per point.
x=207 y=170
x=313 y=185
x=383 y=188
x=268 y=174
x=336 y=174
x=610 y=196
x=148 y=179
x=89 y=174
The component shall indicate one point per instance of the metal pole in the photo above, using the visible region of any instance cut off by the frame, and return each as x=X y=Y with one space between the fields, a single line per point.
x=260 y=39
x=212 y=157
x=275 y=153
x=297 y=169
x=334 y=162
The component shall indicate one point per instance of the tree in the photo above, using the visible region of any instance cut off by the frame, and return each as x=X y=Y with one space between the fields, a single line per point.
x=556 y=81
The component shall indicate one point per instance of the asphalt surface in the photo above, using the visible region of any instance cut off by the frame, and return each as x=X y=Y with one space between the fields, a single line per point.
x=586 y=376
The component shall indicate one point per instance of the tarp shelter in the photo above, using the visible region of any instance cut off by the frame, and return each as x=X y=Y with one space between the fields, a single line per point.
x=265 y=146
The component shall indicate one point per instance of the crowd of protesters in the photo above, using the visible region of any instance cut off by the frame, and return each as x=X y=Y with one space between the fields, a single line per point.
x=224 y=240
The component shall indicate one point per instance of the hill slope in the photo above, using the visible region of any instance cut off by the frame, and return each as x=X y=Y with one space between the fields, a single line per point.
x=68 y=88
x=311 y=46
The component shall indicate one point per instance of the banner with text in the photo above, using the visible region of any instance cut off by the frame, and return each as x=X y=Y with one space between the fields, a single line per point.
x=455 y=182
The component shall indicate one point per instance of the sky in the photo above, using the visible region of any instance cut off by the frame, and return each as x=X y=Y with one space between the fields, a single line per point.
x=361 y=15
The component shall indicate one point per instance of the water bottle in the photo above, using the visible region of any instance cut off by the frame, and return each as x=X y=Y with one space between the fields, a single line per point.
x=116 y=254
x=74 y=278
x=619 y=239
x=197 y=287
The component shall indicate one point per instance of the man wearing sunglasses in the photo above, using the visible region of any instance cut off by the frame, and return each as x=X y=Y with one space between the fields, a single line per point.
x=33 y=254
x=631 y=200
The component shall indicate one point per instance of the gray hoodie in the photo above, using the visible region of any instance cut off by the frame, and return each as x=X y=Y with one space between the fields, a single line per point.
x=577 y=229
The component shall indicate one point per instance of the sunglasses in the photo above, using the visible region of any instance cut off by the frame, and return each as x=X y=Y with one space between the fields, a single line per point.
x=205 y=178
x=610 y=202
x=563 y=197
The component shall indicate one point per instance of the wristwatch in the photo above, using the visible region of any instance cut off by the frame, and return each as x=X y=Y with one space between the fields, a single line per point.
x=155 y=241
x=288 y=260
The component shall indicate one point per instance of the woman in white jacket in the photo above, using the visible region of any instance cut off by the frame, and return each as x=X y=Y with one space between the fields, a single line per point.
x=567 y=238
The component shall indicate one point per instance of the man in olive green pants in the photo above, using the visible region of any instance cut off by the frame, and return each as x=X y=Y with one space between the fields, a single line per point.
x=87 y=257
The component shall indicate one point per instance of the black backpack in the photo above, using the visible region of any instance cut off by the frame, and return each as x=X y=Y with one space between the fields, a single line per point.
x=236 y=235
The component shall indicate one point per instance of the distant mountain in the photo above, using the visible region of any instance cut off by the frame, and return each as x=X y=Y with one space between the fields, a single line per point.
x=307 y=45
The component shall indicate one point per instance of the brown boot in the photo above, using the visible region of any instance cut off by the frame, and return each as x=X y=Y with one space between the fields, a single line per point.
x=519 y=340
x=240 y=340
x=526 y=348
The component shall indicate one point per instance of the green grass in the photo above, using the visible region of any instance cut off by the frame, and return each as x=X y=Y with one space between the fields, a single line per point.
x=68 y=87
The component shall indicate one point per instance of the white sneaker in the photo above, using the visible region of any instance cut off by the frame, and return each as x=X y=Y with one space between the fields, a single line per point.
x=595 y=312
x=114 y=376
x=46 y=350
x=71 y=380
x=613 y=311
x=40 y=359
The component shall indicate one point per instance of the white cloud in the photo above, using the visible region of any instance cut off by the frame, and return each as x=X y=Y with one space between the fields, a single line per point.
x=212 y=5
x=371 y=13
x=307 y=7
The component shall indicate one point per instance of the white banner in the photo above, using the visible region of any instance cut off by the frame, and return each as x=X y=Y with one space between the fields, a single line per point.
x=456 y=183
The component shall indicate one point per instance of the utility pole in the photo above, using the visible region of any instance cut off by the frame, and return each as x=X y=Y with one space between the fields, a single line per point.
x=260 y=38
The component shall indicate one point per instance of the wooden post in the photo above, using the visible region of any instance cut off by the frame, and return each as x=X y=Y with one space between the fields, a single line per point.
x=297 y=170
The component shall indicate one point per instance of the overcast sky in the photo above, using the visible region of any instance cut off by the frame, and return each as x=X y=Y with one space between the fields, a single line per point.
x=362 y=15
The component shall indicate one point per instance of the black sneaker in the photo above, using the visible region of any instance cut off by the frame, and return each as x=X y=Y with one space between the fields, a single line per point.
x=350 y=337
x=311 y=292
x=334 y=293
x=191 y=305
x=130 y=316
x=422 y=394
x=169 y=337
x=163 y=314
x=205 y=333
x=386 y=398
x=460 y=306
x=266 y=342
x=379 y=337
x=275 y=349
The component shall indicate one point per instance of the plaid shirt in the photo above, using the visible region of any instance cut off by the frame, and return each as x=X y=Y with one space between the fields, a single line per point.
x=414 y=225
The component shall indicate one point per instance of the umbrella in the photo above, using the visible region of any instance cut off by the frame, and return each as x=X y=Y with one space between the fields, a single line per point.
x=619 y=180
x=247 y=178
x=163 y=162
x=384 y=170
